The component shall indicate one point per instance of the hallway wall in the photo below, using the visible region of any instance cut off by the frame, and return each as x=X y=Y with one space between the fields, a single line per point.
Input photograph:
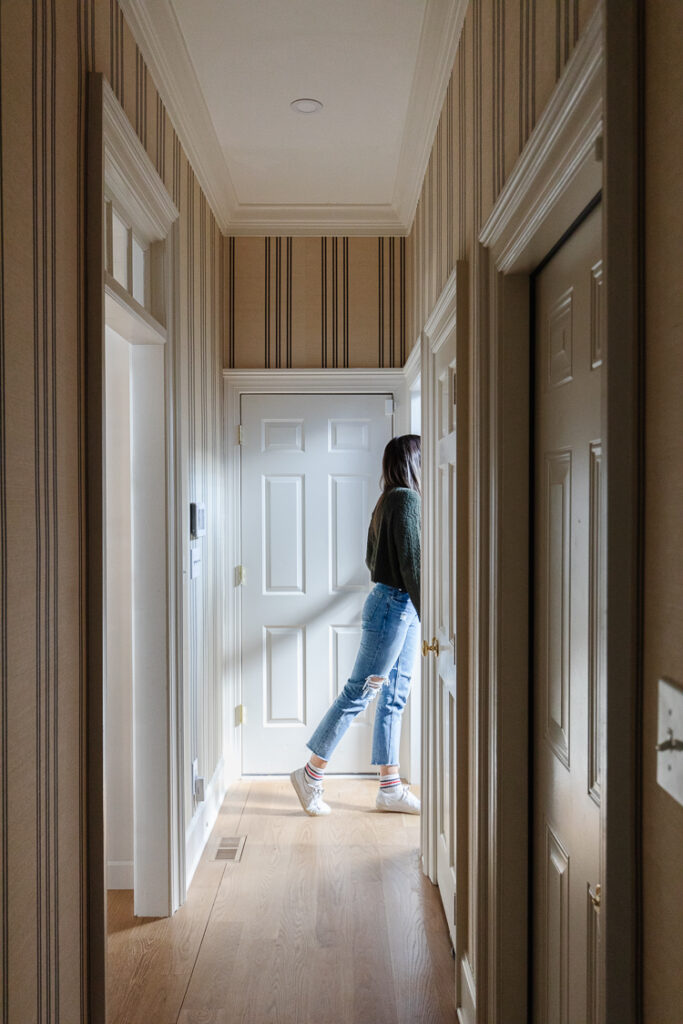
x=510 y=56
x=316 y=302
x=46 y=49
x=663 y=640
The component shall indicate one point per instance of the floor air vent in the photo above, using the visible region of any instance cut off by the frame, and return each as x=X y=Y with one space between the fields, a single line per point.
x=230 y=848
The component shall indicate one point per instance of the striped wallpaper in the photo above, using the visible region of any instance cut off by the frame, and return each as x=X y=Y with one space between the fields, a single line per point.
x=47 y=48
x=511 y=54
x=315 y=302
x=244 y=302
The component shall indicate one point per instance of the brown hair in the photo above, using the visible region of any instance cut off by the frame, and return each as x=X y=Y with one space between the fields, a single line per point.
x=401 y=467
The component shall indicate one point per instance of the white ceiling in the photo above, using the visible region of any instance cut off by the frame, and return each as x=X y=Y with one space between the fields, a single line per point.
x=227 y=71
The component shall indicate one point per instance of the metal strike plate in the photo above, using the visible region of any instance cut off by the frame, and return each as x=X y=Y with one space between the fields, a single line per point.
x=670 y=740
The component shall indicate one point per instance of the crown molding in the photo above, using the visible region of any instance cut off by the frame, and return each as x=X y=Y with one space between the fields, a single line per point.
x=441 y=31
x=305 y=219
x=157 y=32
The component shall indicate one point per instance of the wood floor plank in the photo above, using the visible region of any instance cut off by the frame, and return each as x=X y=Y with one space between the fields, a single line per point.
x=323 y=921
x=423 y=969
x=150 y=960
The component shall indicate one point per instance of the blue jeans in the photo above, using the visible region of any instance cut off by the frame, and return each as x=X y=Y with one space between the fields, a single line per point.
x=388 y=646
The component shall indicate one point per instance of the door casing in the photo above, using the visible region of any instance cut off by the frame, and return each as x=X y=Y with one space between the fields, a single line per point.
x=313 y=382
x=118 y=166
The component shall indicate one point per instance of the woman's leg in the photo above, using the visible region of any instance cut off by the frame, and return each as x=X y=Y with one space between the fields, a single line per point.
x=385 y=624
x=392 y=700
x=393 y=795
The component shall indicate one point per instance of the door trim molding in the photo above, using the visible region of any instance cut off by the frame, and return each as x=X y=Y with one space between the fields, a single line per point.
x=557 y=174
x=449 y=320
x=118 y=166
x=557 y=164
x=249 y=382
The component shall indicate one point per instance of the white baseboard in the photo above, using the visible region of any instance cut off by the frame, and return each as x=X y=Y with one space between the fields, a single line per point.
x=120 y=874
x=467 y=1011
x=204 y=819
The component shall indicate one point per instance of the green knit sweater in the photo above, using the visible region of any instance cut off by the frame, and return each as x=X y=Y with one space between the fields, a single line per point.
x=393 y=551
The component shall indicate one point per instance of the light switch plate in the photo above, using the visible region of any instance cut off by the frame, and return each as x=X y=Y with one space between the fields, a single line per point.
x=195 y=563
x=670 y=717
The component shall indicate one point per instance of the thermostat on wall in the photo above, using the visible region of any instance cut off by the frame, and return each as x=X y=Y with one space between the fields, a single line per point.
x=197 y=519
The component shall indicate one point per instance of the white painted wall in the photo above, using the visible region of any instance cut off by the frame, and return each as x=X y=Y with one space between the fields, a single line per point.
x=119 y=615
x=137 y=784
x=150 y=632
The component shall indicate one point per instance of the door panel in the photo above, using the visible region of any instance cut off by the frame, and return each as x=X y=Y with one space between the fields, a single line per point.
x=282 y=514
x=310 y=469
x=349 y=528
x=568 y=614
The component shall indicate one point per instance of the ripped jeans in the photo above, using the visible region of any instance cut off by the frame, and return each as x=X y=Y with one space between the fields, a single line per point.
x=388 y=647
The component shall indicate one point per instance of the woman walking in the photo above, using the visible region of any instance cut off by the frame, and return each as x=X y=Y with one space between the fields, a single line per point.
x=389 y=638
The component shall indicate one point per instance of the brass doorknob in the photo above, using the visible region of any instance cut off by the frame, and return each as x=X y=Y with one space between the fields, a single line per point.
x=434 y=646
x=595 y=895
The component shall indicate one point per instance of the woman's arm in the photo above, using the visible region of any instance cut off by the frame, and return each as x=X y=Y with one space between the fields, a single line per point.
x=406 y=522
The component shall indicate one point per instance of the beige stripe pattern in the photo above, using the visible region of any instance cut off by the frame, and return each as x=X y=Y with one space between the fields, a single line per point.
x=510 y=56
x=47 y=49
x=315 y=302
x=244 y=302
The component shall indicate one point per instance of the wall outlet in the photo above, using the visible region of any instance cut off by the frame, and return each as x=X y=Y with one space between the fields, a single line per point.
x=195 y=563
x=197 y=783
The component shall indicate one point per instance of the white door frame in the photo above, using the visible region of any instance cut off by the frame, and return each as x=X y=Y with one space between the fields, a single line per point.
x=119 y=168
x=312 y=382
x=558 y=173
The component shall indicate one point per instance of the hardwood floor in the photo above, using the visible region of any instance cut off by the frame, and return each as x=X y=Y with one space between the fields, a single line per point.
x=323 y=921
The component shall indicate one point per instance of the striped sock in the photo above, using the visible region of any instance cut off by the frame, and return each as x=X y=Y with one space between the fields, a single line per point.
x=313 y=773
x=388 y=783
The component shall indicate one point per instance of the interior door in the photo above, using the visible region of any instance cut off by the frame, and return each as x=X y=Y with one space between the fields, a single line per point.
x=440 y=479
x=568 y=624
x=311 y=466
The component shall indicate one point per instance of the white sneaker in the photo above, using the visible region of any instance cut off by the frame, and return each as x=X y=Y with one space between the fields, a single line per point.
x=398 y=798
x=310 y=793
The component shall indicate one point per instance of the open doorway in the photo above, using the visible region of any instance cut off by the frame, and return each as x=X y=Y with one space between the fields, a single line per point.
x=136 y=667
x=135 y=589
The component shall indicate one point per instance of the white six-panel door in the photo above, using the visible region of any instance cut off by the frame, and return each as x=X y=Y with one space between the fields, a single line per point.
x=445 y=483
x=310 y=469
x=443 y=575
